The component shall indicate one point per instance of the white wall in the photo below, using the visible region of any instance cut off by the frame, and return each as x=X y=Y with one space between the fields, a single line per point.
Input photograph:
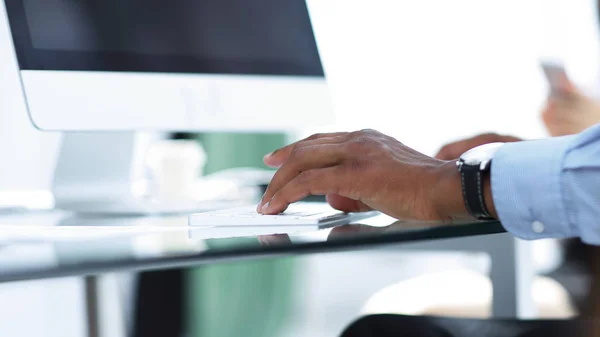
x=430 y=71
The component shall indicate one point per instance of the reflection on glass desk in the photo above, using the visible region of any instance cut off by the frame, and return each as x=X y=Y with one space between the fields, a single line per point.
x=43 y=245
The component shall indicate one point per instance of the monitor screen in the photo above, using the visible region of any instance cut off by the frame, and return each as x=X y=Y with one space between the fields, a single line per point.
x=257 y=37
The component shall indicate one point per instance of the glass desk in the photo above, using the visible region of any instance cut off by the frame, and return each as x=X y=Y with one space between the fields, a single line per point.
x=46 y=245
x=53 y=244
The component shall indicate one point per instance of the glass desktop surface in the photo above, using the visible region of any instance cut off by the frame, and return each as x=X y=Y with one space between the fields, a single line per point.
x=37 y=245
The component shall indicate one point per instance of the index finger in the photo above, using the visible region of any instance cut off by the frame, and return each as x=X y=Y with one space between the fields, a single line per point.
x=311 y=157
x=312 y=182
x=276 y=158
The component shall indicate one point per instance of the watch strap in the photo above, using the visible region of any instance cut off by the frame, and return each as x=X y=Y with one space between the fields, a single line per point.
x=473 y=193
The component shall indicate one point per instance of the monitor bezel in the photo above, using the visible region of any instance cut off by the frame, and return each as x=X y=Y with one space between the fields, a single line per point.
x=30 y=58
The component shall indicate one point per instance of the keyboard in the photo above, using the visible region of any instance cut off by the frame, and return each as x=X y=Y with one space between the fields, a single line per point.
x=299 y=214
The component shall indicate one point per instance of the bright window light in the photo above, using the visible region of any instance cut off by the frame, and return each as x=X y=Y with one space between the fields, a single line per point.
x=431 y=71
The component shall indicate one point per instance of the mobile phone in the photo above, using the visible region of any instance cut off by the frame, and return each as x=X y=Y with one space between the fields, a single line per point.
x=556 y=76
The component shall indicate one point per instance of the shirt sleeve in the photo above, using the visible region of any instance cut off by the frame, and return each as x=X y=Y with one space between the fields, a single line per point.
x=550 y=188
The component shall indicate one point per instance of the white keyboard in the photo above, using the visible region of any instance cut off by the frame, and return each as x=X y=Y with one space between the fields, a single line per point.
x=298 y=214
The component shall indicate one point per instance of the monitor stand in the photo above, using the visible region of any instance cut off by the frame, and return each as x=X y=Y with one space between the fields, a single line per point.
x=96 y=173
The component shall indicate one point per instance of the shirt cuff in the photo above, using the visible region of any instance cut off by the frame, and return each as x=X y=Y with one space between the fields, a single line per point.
x=527 y=189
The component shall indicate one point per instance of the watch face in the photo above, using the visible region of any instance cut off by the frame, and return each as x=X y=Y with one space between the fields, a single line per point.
x=483 y=153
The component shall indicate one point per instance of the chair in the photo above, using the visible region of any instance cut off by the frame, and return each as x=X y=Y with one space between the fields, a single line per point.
x=429 y=326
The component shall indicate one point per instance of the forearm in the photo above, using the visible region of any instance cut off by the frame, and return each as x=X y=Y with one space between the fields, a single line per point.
x=549 y=188
x=538 y=189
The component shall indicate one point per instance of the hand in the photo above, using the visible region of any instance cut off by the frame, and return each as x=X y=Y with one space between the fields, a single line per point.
x=361 y=171
x=274 y=240
x=455 y=150
x=354 y=231
x=570 y=112
x=346 y=231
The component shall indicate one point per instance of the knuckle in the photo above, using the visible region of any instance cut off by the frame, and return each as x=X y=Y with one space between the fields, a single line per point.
x=363 y=141
x=360 y=144
x=365 y=134
x=297 y=151
x=356 y=134
x=304 y=178
x=316 y=136
x=369 y=132
x=353 y=147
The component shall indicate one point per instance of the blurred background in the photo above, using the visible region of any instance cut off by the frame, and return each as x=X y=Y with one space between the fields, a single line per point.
x=426 y=72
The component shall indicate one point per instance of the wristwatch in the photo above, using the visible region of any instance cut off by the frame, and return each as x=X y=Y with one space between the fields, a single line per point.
x=474 y=165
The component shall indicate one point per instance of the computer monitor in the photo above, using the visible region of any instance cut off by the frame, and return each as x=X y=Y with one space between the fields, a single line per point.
x=27 y=155
x=155 y=65
x=168 y=65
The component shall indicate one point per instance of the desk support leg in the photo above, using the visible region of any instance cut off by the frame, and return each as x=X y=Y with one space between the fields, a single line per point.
x=105 y=316
x=512 y=275
x=91 y=306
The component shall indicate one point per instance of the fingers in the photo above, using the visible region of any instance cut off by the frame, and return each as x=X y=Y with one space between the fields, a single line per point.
x=303 y=158
x=346 y=204
x=453 y=150
x=312 y=182
x=348 y=231
x=547 y=113
x=565 y=84
x=510 y=139
x=276 y=158
x=274 y=239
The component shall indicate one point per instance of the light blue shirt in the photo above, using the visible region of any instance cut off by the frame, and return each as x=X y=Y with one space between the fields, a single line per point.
x=550 y=188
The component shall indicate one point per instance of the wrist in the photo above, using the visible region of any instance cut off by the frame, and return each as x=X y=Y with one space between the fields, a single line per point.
x=448 y=199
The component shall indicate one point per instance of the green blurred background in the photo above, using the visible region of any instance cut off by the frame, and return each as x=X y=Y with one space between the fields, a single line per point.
x=250 y=299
